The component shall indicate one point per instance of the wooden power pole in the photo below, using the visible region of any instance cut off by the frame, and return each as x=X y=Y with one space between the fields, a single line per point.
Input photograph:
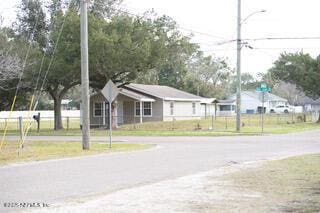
x=85 y=76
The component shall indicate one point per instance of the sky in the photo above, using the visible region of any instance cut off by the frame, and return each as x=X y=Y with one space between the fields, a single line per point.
x=214 y=21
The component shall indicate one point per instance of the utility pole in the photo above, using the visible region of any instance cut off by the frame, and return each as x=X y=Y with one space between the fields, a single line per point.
x=84 y=76
x=238 y=122
x=262 y=113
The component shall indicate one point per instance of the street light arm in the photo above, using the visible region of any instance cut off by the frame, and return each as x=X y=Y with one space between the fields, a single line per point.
x=245 y=19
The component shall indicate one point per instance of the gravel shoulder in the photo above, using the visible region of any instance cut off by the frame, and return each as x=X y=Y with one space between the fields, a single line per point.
x=89 y=178
x=260 y=186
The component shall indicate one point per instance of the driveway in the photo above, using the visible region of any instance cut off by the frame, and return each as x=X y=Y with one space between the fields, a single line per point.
x=62 y=180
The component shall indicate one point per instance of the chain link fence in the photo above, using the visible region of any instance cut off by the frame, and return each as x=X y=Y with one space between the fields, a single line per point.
x=169 y=123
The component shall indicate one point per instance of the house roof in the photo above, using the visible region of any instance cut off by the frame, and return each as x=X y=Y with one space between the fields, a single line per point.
x=134 y=95
x=257 y=95
x=224 y=102
x=208 y=100
x=307 y=100
x=163 y=92
x=130 y=94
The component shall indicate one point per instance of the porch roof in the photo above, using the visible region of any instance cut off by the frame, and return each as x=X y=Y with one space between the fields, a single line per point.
x=130 y=94
x=136 y=96
x=226 y=102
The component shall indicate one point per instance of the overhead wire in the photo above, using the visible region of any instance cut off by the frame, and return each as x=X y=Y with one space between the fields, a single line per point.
x=125 y=10
x=19 y=83
x=269 y=38
x=22 y=141
x=26 y=129
x=226 y=41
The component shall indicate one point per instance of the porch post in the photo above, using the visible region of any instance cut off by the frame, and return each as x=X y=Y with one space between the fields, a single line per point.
x=103 y=113
x=141 y=112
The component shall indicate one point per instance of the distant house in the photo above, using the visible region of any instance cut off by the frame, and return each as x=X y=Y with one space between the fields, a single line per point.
x=208 y=107
x=226 y=107
x=251 y=102
x=64 y=104
x=309 y=104
x=138 y=103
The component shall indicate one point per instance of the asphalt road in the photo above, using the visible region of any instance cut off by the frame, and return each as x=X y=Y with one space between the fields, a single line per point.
x=81 y=177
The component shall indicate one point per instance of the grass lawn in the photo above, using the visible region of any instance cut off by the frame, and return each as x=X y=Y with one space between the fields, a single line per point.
x=273 y=124
x=289 y=185
x=34 y=151
x=146 y=130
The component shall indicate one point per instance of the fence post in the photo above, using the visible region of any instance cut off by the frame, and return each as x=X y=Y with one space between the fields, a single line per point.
x=226 y=122
x=134 y=122
x=38 y=122
x=172 y=123
x=67 y=123
x=212 y=122
x=21 y=129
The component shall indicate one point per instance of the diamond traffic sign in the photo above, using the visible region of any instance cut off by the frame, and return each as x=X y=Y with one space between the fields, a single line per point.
x=110 y=91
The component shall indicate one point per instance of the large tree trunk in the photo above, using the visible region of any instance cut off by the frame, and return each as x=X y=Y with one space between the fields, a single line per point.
x=57 y=113
x=57 y=95
x=318 y=121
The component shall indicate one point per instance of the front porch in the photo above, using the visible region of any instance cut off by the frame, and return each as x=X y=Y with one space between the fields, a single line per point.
x=128 y=108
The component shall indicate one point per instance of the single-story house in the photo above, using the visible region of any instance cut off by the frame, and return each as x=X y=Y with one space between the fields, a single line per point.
x=309 y=104
x=251 y=101
x=138 y=103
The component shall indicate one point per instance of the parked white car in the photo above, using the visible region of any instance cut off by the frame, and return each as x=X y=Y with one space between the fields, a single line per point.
x=281 y=109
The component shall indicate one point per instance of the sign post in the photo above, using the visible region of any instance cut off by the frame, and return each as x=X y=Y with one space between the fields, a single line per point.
x=263 y=89
x=110 y=92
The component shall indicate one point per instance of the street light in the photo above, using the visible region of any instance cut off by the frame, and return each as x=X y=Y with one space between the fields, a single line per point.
x=259 y=11
x=239 y=23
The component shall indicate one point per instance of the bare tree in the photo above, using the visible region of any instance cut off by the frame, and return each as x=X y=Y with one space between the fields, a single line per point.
x=10 y=69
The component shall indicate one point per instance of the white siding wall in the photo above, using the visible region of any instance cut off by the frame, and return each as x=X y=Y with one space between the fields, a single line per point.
x=182 y=110
x=248 y=103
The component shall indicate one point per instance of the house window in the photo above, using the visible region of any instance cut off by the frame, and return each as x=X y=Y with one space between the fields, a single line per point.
x=137 y=110
x=171 y=108
x=146 y=109
x=98 y=109
x=193 y=108
x=225 y=107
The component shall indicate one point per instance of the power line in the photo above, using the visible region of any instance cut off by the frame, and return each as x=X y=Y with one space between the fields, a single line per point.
x=201 y=33
x=125 y=10
x=270 y=38
x=263 y=48
x=19 y=82
x=45 y=76
x=283 y=38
